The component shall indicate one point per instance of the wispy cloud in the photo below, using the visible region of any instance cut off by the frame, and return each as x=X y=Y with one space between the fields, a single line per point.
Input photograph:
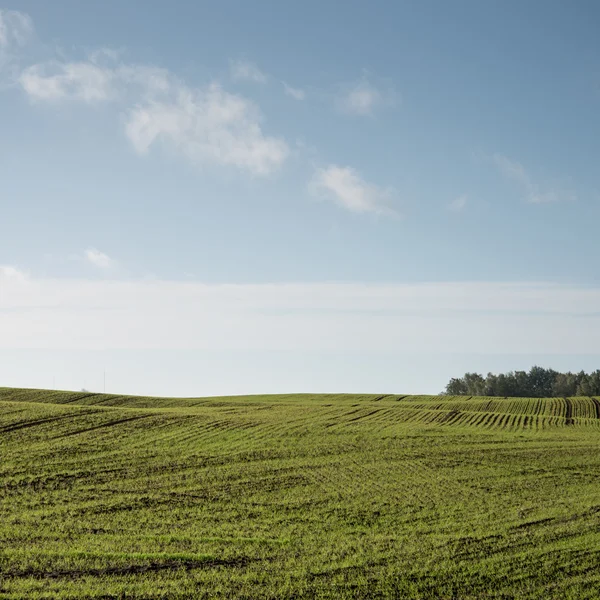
x=79 y=80
x=243 y=70
x=362 y=98
x=532 y=191
x=348 y=189
x=458 y=204
x=15 y=28
x=100 y=78
x=99 y=259
x=293 y=92
x=206 y=125
x=10 y=273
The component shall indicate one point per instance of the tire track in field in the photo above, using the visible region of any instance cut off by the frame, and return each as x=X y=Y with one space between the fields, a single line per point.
x=54 y=419
x=352 y=478
x=597 y=407
x=542 y=413
x=247 y=429
x=352 y=474
x=153 y=566
x=103 y=425
x=568 y=411
x=410 y=481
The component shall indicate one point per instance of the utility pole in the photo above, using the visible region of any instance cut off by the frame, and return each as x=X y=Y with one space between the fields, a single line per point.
x=105 y=381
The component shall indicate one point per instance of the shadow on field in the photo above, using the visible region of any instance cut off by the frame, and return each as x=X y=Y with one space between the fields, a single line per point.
x=153 y=567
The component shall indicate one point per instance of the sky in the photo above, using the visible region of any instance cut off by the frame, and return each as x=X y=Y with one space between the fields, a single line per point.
x=271 y=197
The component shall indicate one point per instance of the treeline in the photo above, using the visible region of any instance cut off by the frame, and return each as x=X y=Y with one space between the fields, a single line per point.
x=537 y=383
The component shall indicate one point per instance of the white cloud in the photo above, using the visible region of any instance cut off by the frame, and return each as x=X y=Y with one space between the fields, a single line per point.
x=346 y=188
x=363 y=98
x=454 y=318
x=208 y=126
x=9 y=273
x=15 y=28
x=204 y=125
x=532 y=191
x=458 y=204
x=144 y=81
x=100 y=78
x=99 y=259
x=79 y=80
x=293 y=92
x=242 y=70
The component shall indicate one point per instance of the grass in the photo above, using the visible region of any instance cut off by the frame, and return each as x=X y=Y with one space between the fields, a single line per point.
x=298 y=496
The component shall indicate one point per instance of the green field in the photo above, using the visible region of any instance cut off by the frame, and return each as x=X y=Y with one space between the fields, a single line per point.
x=299 y=496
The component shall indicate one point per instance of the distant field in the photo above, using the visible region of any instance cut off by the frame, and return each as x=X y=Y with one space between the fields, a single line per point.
x=298 y=496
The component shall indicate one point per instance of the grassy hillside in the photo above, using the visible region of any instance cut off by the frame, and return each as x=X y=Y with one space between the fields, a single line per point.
x=298 y=496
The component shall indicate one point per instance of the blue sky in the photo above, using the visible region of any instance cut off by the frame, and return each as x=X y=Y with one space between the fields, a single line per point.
x=237 y=197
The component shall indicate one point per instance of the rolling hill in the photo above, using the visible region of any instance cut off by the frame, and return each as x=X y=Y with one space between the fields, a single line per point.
x=298 y=496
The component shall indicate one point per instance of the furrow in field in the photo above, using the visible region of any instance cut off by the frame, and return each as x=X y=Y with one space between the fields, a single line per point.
x=596 y=407
x=568 y=411
x=103 y=426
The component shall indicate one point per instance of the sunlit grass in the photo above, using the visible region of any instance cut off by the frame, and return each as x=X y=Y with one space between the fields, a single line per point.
x=298 y=496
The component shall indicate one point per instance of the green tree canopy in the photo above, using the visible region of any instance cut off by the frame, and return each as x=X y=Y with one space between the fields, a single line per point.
x=537 y=383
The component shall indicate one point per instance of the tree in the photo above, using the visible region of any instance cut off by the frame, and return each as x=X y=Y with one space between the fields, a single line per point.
x=457 y=387
x=475 y=384
x=564 y=385
x=540 y=381
x=537 y=383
